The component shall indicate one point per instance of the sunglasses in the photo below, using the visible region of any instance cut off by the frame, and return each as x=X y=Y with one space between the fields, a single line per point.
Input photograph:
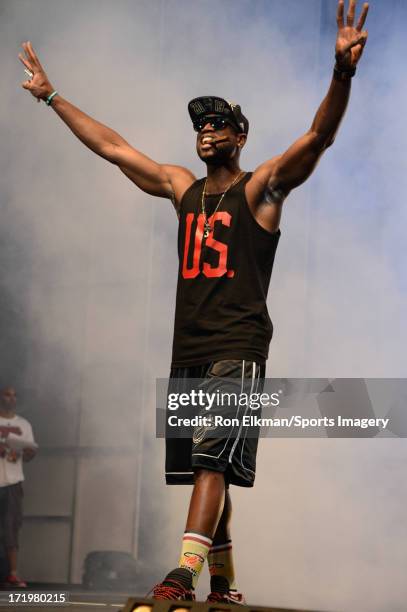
x=218 y=123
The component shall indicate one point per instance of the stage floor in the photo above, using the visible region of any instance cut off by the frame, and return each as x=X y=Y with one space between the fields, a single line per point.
x=81 y=600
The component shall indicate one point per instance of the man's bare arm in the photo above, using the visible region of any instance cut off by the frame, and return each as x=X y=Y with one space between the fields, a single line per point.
x=295 y=165
x=156 y=179
x=29 y=454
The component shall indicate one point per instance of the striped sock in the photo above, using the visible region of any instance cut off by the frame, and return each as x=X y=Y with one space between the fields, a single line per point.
x=195 y=548
x=220 y=561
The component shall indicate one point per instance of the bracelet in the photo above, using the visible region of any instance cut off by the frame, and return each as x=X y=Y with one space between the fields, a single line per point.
x=341 y=74
x=50 y=98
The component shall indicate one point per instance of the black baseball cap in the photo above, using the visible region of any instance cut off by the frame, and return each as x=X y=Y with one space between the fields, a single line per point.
x=212 y=105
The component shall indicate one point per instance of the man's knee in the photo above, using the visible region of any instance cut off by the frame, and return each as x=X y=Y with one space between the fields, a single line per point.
x=203 y=474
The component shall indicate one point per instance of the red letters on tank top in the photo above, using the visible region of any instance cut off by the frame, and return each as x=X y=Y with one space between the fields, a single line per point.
x=221 y=248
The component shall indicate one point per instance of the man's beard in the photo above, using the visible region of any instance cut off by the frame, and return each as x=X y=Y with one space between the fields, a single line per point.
x=221 y=156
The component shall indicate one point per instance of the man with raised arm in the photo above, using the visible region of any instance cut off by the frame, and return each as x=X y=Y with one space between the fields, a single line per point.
x=227 y=238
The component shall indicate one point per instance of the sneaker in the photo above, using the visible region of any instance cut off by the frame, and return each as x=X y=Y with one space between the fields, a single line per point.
x=220 y=592
x=15 y=581
x=176 y=585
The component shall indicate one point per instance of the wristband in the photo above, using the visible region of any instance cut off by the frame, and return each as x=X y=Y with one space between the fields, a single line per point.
x=341 y=74
x=50 y=98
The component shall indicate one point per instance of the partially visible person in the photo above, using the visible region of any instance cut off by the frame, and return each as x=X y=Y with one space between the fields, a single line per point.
x=16 y=445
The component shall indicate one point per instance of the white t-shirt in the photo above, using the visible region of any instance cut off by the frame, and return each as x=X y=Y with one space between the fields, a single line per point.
x=13 y=428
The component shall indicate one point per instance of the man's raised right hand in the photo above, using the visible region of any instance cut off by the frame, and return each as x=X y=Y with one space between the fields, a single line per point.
x=162 y=180
x=39 y=86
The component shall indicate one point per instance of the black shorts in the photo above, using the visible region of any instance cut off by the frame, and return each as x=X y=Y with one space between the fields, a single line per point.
x=11 y=513
x=234 y=454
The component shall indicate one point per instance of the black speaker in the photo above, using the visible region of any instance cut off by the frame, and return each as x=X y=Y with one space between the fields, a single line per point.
x=110 y=570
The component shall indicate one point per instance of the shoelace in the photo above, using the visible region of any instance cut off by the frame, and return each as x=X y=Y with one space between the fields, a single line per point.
x=218 y=598
x=164 y=591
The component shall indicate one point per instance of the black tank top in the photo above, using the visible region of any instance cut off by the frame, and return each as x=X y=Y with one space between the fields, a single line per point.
x=221 y=310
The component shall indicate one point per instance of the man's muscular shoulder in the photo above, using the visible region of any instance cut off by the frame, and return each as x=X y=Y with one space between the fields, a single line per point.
x=181 y=179
x=264 y=195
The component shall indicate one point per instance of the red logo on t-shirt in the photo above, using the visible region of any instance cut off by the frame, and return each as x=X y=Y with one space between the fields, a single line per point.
x=220 y=247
